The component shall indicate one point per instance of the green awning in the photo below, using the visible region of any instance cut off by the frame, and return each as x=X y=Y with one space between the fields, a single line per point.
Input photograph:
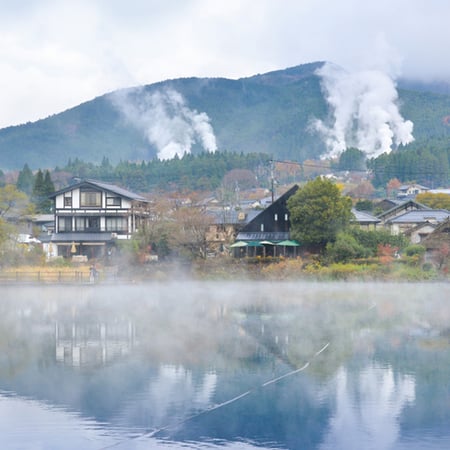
x=254 y=244
x=288 y=243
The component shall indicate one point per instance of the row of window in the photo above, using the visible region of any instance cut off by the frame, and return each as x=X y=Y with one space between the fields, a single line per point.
x=87 y=223
x=275 y=217
x=92 y=199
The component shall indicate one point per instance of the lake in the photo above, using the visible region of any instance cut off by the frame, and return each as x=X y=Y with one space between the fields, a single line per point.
x=233 y=365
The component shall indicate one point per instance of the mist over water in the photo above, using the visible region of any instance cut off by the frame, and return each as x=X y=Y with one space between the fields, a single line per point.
x=225 y=365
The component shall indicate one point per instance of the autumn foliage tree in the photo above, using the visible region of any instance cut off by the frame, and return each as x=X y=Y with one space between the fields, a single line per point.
x=435 y=201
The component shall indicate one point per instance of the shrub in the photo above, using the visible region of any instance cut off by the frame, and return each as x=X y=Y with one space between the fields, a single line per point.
x=345 y=248
x=414 y=249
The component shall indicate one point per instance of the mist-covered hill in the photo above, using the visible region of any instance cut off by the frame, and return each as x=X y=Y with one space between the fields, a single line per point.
x=270 y=113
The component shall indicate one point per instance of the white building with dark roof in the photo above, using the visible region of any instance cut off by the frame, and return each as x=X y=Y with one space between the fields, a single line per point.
x=90 y=216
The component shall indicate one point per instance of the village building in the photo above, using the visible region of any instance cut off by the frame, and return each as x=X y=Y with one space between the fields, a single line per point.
x=364 y=220
x=400 y=208
x=437 y=244
x=90 y=217
x=413 y=219
x=268 y=234
x=409 y=191
x=225 y=225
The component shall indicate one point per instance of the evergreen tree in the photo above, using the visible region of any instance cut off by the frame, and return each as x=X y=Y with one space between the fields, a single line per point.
x=43 y=188
x=49 y=189
x=25 y=180
x=38 y=194
x=318 y=212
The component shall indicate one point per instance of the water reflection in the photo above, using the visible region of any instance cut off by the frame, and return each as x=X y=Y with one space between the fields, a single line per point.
x=235 y=365
x=368 y=407
x=82 y=344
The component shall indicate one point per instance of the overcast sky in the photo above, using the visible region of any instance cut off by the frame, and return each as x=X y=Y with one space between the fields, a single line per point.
x=56 y=54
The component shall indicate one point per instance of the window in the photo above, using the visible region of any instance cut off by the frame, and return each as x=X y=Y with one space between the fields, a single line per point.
x=275 y=217
x=262 y=227
x=113 y=201
x=65 y=224
x=286 y=217
x=90 y=199
x=68 y=202
x=116 y=224
x=87 y=223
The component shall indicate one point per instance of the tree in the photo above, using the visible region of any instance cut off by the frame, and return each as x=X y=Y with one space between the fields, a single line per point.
x=435 y=201
x=25 y=180
x=42 y=189
x=37 y=194
x=189 y=231
x=49 y=189
x=364 y=189
x=392 y=186
x=13 y=203
x=318 y=212
x=352 y=159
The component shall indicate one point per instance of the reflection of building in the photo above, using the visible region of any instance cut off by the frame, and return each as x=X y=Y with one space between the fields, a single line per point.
x=81 y=344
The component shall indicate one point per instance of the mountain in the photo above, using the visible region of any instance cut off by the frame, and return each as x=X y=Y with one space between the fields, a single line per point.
x=268 y=113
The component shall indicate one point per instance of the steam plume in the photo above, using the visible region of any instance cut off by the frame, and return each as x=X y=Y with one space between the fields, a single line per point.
x=365 y=112
x=166 y=121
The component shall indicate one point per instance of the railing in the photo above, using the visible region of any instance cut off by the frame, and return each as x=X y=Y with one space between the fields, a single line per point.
x=43 y=277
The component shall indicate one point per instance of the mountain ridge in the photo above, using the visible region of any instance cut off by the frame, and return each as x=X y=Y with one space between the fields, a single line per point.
x=269 y=113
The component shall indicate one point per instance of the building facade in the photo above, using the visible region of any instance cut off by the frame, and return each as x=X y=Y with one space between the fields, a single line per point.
x=91 y=216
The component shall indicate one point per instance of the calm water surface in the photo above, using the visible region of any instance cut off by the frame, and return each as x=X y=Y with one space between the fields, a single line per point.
x=225 y=365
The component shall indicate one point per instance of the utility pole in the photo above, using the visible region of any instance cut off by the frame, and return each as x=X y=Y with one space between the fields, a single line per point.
x=272 y=182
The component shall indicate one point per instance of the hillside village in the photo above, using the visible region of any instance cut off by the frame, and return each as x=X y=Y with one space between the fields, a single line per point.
x=99 y=224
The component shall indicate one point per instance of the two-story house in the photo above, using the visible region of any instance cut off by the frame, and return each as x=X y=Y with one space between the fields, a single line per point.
x=90 y=216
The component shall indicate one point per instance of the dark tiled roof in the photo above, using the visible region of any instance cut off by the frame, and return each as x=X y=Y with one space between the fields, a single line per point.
x=419 y=216
x=408 y=204
x=233 y=217
x=262 y=236
x=77 y=237
x=363 y=217
x=104 y=186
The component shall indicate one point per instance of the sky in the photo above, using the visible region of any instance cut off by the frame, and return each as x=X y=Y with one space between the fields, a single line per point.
x=57 y=54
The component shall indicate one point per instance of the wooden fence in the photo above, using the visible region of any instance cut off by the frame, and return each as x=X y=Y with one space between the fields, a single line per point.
x=50 y=277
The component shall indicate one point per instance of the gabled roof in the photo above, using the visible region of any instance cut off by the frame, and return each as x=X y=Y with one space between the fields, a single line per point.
x=273 y=207
x=437 y=237
x=233 y=217
x=404 y=205
x=103 y=186
x=420 y=226
x=405 y=187
x=421 y=216
x=363 y=217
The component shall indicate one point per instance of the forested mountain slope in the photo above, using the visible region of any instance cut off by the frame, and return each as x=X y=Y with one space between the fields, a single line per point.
x=268 y=113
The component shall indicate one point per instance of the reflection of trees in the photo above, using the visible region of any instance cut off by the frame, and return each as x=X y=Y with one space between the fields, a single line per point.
x=368 y=408
x=171 y=395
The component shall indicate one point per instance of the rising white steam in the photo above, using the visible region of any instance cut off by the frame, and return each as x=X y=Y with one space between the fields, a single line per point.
x=365 y=112
x=166 y=121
